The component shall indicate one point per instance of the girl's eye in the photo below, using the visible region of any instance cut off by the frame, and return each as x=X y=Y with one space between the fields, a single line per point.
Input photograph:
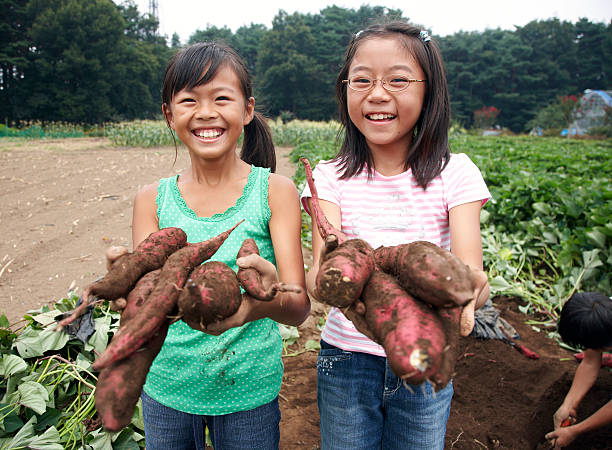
x=398 y=82
x=186 y=100
x=222 y=98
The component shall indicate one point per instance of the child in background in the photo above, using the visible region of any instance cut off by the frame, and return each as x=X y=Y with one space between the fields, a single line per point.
x=393 y=181
x=228 y=380
x=585 y=322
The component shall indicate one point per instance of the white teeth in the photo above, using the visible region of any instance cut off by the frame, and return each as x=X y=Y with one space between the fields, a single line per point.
x=381 y=116
x=209 y=133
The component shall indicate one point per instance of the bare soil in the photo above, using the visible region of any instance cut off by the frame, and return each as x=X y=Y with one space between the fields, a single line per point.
x=65 y=201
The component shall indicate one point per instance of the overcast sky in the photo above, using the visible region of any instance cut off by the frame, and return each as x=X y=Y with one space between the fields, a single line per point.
x=441 y=17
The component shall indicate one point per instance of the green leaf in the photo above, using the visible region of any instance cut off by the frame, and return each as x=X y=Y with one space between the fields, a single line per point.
x=12 y=364
x=23 y=436
x=499 y=284
x=288 y=333
x=99 y=340
x=11 y=422
x=597 y=237
x=125 y=440
x=101 y=440
x=47 y=318
x=49 y=419
x=312 y=345
x=33 y=395
x=542 y=208
x=4 y=322
x=32 y=342
x=591 y=259
x=49 y=440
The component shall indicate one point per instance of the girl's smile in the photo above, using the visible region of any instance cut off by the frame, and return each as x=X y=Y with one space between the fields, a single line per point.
x=208 y=133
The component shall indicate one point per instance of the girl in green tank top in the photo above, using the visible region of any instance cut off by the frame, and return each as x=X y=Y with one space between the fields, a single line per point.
x=223 y=377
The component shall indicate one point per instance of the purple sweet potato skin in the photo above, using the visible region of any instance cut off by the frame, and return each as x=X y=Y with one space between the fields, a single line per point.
x=149 y=255
x=162 y=300
x=344 y=272
x=119 y=385
x=325 y=228
x=211 y=293
x=410 y=332
x=250 y=279
x=429 y=272
x=451 y=321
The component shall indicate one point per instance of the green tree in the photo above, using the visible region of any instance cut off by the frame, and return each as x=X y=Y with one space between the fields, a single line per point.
x=14 y=49
x=87 y=66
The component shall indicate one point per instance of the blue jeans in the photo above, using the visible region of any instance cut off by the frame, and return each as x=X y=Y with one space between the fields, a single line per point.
x=169 y=429
x=363 y=405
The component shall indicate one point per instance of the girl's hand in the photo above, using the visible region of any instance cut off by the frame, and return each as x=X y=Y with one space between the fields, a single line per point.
x=562 y=414
x=266 y=269
x=246 y=313
x=481 y=294
x=112 y=254
x=562 y=437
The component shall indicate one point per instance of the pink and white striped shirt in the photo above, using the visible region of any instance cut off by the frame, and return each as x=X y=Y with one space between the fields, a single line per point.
x=390 y=211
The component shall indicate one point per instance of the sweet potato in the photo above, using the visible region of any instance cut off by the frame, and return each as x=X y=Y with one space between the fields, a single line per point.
x=120 y=384
x=429 y=272
x=250 y=278
x=162 y=300
x=211 y=293
x=451 y=323
x=343 y=271
x=325 y=228
x=149 y=255
x=410 y=332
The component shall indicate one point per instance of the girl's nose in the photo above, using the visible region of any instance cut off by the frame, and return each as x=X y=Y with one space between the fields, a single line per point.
x=206 y=110
x=378 y=92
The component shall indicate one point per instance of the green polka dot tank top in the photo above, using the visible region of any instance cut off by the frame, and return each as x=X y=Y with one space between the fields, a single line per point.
x=241 y=369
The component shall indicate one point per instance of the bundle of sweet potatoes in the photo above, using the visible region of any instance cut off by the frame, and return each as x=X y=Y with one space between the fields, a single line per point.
x=412 y=294
x=163 y=280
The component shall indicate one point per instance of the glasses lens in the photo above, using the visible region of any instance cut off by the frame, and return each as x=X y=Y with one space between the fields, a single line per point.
x=397 y=83
x=360 y=83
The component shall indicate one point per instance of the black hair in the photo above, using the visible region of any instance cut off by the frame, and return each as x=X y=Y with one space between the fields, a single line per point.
x=196 y=65
x=428 y=153
x=586 y=320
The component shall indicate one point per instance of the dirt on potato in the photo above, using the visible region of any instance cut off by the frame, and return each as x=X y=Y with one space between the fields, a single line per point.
x=65 y=201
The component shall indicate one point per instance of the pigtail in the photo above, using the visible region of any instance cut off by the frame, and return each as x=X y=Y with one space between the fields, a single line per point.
x=258 y=146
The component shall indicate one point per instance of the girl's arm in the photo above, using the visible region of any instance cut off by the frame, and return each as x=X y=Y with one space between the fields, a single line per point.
x=585 y=376
x=285 y=230
x=466 y=244
x=144 y=215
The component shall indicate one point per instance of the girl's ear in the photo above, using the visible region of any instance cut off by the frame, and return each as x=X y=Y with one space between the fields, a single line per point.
x=167 y=112
x=250 y=111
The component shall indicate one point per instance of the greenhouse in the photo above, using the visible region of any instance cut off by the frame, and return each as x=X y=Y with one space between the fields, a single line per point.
x=592 y=110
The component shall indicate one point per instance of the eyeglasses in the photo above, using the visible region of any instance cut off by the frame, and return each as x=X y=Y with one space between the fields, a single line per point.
x=392 y=83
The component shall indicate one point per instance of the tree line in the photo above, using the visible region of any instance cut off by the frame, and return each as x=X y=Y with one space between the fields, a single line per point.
x=93 y=61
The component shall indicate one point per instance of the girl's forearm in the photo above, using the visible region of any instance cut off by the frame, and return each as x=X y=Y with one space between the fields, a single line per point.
x=600 y=418
x=288 y=308
x=585 y=377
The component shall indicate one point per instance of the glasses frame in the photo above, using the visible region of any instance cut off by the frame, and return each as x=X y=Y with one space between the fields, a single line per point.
x=383 y=83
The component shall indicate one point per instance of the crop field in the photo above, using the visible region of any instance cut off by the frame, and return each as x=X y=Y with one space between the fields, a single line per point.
x=546 y=232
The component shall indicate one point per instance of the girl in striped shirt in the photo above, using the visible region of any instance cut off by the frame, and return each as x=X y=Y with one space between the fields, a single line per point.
x=393 y=181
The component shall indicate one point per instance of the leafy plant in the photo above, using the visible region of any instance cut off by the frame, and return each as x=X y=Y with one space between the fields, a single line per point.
x=48 y=388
